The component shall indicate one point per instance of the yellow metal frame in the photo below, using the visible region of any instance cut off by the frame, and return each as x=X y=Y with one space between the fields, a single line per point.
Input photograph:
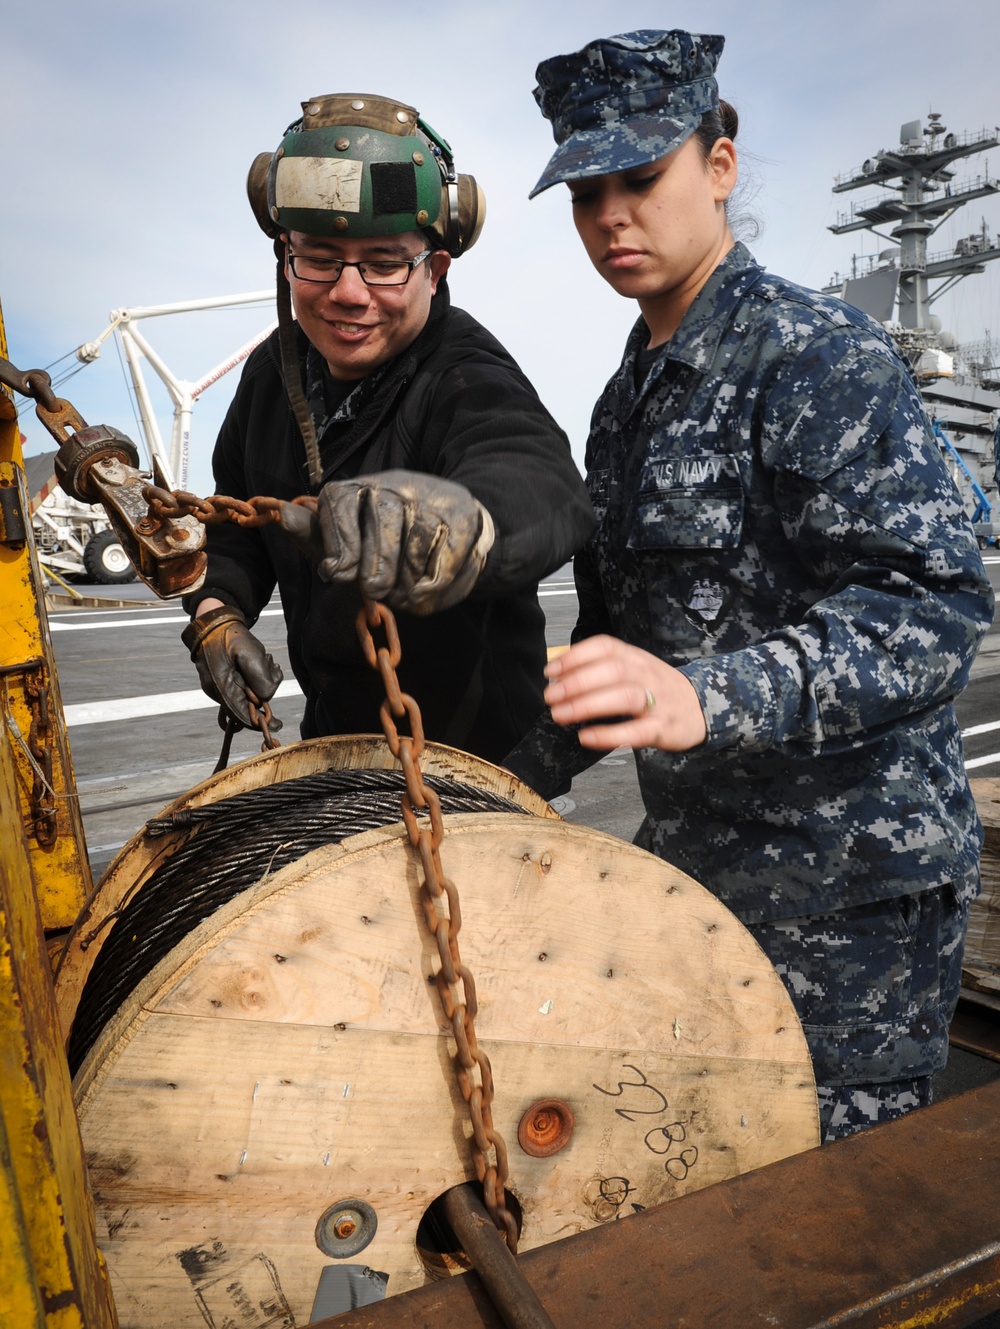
x=61 y=872
x=51 y=1273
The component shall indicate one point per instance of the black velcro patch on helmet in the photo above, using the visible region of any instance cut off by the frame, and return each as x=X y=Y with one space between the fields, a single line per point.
x=394 y=187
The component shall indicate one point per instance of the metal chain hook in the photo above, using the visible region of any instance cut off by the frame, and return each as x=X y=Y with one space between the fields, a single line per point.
x=33 y=383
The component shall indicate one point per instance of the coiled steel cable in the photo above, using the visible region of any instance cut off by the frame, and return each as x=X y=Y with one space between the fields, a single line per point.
x=231 y=845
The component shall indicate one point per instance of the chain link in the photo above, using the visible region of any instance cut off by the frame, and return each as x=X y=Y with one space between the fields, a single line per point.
x=259 y=511
x=59 y=416
x=33 y=383
x=260 y=714
x=455 y=984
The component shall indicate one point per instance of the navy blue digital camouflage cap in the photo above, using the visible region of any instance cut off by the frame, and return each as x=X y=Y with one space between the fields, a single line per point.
x=621 y=102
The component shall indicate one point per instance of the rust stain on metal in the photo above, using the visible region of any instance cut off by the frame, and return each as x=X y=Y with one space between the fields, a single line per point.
x=546 y=1127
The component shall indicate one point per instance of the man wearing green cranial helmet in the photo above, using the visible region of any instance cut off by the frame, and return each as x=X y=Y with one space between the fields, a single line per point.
x=444 y=486
x=365 y=166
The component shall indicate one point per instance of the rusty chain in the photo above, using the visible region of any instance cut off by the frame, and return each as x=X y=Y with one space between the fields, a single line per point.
x=60 y=417
x=260 y=715
x=455 y=984
x=259 y=511
x=33 y=383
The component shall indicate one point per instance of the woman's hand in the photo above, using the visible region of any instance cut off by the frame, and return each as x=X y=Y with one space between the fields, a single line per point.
x=603 y=677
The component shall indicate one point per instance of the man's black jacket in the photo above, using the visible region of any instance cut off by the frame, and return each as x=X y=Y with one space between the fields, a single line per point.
x=453 y=404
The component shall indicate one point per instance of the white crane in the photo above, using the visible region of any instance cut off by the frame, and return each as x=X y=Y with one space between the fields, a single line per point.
x=75 y=538
x=183 y=393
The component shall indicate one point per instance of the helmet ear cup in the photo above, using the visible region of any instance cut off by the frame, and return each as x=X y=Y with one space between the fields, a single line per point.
x=463 y=212
x=471 y=212
x=257 y=194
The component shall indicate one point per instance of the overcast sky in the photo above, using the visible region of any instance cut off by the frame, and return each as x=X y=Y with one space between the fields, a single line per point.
x=130 y=127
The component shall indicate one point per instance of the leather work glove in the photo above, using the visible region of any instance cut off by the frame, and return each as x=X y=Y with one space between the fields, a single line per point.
x=417 y=541
x=231 y=662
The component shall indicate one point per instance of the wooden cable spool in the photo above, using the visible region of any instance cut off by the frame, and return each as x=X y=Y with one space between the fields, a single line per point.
x=274 y=1096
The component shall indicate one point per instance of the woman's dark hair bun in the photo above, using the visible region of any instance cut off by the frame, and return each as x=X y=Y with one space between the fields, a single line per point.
x=730 y=120
x=720 y=122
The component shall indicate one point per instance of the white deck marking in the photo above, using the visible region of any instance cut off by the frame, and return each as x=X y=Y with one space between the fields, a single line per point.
x=981 y=729
x=154 y=703
x=145 y=618
x=991 y=760
x=167 y=703
x=139 y=621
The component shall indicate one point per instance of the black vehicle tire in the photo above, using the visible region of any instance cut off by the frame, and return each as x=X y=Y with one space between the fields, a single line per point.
x=983 y=542
x=106 y=560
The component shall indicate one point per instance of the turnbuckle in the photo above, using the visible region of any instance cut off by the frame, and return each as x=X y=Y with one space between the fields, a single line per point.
x=99 y=464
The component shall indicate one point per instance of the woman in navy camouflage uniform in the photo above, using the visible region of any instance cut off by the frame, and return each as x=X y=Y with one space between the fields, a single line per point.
x=782 y=597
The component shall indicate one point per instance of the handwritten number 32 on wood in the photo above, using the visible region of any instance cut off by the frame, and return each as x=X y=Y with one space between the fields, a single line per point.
x=629 y=1114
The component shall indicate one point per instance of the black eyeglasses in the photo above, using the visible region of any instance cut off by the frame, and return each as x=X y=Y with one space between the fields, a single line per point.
x=373 y=272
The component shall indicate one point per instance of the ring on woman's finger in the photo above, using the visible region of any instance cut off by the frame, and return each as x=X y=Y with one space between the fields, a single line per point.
x=650 y=702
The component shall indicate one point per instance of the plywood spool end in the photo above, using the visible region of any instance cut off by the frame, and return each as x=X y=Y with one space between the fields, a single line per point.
x=290 y=1053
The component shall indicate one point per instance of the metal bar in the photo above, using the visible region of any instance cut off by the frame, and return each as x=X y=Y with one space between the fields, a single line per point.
x=151 y=429
x=976 y=1029
x=60 y=870
x=231 y=361
x=897 y=1227
x=51 y=1274
x=176 y=387
x=180 y=437
x=193 y=306
x=498 y=1270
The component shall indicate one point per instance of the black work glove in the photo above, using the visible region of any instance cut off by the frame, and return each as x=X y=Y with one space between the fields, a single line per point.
x=417 y=541
x=231 y=662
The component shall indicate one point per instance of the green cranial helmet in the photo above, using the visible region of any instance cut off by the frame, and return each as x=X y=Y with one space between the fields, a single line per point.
x=358 y=165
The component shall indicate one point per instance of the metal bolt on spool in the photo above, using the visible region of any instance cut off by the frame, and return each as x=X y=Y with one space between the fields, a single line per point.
x=346 y=1228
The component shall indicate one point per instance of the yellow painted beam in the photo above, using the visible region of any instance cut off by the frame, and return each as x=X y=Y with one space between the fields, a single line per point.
x=56 y=846
x=51 y=1274
x=20 y=1302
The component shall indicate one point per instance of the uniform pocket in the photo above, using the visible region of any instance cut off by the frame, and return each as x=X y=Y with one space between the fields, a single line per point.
x=874 y=986
x=689 y=503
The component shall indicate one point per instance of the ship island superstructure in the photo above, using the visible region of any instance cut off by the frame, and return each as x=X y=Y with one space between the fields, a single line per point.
x=899 y=285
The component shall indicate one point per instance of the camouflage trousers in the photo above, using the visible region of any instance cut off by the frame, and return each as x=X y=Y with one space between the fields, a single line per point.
x=875 y=988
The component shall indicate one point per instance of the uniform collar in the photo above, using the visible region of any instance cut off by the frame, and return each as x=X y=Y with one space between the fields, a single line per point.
x=697 y=339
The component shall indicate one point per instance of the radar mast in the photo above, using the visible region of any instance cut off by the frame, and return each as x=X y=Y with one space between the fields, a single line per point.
x=920 y=174
x=899 y=284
